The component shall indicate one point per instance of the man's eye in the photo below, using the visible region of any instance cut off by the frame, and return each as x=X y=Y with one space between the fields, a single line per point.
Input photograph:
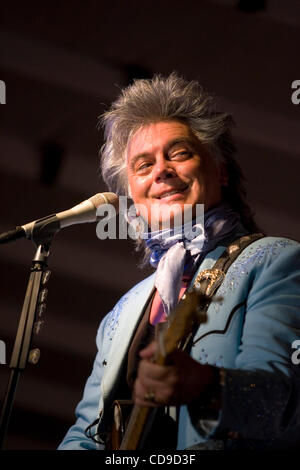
x=182 y=154
x=143 y=166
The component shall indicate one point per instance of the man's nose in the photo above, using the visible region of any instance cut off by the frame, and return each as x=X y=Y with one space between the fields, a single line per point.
x=163 y=169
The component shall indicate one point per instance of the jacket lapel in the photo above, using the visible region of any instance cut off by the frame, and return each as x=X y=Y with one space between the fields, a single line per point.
x=131 y=314
x=132 y=311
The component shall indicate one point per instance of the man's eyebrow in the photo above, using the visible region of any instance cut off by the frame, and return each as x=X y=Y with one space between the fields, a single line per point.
x=132 y=161
x=180 y=140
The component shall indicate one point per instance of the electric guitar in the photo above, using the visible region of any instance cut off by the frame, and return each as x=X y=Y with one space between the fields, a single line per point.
x=182 y=324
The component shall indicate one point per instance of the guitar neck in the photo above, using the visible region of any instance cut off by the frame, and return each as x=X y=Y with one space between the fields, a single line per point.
x=140 y=421
x=180 y=326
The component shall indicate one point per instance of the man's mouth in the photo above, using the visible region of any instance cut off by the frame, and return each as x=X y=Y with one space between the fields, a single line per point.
x=165 y=194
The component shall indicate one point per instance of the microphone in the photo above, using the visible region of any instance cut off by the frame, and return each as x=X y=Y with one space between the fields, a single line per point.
x=82 y=213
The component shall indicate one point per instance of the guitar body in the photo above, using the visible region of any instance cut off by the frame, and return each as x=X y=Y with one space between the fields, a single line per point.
x=121 y=410
x=122 y=413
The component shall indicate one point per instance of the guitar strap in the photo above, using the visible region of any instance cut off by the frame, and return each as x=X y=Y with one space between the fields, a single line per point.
x=208 y=281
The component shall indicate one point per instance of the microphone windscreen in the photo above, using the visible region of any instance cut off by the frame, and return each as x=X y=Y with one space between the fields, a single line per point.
x=105 y=198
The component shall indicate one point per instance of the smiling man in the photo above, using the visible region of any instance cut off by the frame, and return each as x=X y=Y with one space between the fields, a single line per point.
x=167 y=166
x=230 y=384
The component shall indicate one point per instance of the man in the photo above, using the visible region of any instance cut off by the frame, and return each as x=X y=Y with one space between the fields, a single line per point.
x=235 y=386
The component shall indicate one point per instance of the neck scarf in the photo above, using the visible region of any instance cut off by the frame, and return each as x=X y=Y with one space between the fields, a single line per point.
x=175 y=252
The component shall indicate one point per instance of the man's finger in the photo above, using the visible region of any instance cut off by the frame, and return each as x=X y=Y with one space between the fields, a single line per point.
x=149 y=351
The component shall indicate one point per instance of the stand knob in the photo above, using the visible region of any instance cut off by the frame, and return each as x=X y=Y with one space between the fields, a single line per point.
x=45 y=277
x=38 y=326
x=43 y=295
x=34 y=356
x=40 y=310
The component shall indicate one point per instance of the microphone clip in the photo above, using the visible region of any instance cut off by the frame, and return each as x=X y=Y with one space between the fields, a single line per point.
x=43 y=230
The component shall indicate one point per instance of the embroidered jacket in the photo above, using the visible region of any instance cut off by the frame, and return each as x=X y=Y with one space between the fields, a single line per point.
x=249 y=334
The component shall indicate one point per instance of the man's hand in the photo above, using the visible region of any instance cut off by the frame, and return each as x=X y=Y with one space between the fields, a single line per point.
x=181 y=382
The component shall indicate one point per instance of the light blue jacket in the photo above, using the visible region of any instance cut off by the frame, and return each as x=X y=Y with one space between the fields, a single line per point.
x=249 y=334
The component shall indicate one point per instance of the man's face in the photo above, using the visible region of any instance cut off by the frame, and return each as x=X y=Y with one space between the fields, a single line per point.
x=167 y=165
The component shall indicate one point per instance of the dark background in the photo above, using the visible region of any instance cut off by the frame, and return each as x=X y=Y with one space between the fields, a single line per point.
x=63 y=63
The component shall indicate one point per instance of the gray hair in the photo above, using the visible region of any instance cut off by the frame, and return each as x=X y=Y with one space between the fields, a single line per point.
x=164 y=99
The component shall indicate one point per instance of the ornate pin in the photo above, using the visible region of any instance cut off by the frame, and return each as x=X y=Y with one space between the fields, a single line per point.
x=213 y=276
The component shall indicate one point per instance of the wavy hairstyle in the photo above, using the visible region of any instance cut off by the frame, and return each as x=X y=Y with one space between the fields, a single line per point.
x=164 y=99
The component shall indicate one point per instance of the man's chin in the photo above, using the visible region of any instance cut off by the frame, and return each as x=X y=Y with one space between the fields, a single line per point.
x=167 y=216
x=171 y=216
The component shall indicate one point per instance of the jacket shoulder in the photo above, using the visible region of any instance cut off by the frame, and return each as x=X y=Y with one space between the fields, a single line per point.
x=140 y=291
x=269 y=249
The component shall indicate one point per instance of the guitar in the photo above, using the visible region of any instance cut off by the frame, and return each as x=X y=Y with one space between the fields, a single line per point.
x=181 y=326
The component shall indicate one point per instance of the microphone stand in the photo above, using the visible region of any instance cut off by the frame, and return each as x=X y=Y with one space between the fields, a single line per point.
x=31 y=319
